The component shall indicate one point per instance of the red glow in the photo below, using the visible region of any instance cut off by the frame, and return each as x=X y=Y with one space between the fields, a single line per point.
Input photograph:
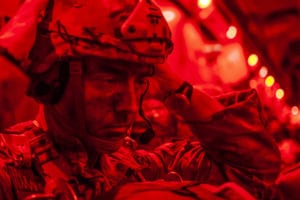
x=269 y=81
x=231 y=66
x=252 y=60
x=285 y=146
x=207 y=12
x=204 y=3
x=193 y=40
x=170 y=15
x=289 y=150
x=263 y=72
x=231 y=32
x=294 y=110
x=279 y=93
x=253 y=83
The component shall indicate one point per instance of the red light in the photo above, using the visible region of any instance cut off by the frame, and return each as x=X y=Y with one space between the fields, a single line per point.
x=169 y=15
x=252 y=60
x=231 y=32
x=263 y=72
x=253 y=83
x=279 y=93
x=294 y=110
x=204 y=3
x=231 y=66
x=269 y=81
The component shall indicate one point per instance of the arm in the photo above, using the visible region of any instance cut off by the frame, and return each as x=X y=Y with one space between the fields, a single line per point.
x=16 y=40
x=232 y=132
x=15 y=106
x=201 y=107
x=239 y=132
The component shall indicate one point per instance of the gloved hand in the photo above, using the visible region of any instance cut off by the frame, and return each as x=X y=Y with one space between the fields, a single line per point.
x=18 y=36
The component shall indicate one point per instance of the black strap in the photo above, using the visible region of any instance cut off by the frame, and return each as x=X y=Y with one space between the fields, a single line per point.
x=4 y=52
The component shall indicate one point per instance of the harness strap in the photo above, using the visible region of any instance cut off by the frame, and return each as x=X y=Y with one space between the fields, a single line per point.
x=53 y=169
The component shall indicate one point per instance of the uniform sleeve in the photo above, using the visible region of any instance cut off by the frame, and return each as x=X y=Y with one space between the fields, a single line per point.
x=237 y=138
x=232 y=146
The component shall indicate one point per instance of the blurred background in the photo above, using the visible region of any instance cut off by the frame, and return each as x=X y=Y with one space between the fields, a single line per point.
x=225 y=45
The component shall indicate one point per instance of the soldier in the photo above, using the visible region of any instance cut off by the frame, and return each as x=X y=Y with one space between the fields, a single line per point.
x=87 y=62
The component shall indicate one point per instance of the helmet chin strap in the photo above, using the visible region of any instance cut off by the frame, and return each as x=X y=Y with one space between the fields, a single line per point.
x=66 y=121
x=92 y=144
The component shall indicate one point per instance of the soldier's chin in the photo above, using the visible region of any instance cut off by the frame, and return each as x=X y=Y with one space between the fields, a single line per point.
x=106 y=145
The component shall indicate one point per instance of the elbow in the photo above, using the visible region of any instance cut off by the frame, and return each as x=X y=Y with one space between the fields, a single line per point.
x=271 y=165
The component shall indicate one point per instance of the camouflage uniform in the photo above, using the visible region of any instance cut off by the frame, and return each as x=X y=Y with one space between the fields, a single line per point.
x=246 y=157
x=67 y=162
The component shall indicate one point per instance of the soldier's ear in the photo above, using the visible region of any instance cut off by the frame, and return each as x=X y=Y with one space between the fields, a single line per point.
x=48 y=87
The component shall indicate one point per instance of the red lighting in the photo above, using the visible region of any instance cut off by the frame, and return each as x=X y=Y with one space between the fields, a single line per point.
x=269 y=81
x=294 y=110
x=231 y=65
x=169 y=15
x=288 y=150
x=279 y=93
x=263 y=72
x=231 y=32
x=252 y=60
x=204 y=3
x=253 y=83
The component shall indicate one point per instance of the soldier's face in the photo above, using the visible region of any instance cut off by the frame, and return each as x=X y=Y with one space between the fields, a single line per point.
x=112 y=95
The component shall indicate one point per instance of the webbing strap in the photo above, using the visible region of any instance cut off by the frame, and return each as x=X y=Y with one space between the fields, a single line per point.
x=56 y=177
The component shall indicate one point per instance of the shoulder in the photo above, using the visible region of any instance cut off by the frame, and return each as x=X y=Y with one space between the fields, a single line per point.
x=16 y=158
x=15 y=144
x=11 y=151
